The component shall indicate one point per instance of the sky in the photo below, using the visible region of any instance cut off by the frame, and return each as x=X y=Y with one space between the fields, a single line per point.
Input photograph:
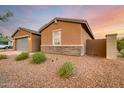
x=101 y=19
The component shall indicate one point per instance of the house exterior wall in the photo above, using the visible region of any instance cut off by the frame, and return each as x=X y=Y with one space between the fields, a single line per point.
x=70 y=33
x=84 y=38
x=33 y=40
x=36 y=42
x=30 y=43
x=73 y=38
x=64 y=50
x=21 y=33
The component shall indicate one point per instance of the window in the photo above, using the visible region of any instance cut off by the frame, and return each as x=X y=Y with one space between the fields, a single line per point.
x=56 y=37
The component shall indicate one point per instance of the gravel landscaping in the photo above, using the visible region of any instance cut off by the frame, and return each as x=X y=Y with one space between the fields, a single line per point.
x=89 y=72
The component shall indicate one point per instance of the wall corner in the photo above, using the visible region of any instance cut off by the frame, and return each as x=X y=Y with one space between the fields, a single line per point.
x=111 y=46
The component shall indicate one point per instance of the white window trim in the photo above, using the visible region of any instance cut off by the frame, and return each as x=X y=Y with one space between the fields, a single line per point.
x=57 y=30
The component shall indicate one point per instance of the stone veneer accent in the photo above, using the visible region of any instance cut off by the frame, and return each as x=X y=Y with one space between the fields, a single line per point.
x=65 y=50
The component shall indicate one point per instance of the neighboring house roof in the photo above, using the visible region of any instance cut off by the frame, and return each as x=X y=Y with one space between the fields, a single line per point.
x=25 y=29
x=80 y=21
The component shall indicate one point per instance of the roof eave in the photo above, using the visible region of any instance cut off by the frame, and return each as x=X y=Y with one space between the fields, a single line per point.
x=25 y=29
x=69 y=20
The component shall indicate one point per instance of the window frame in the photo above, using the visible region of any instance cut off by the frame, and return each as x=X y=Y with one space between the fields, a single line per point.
x=53 y=42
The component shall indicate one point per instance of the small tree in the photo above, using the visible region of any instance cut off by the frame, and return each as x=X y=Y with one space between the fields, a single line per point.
x=120 y=44
x=1 y=34
x=3 y=39
x=4 y=17
x=122 y=52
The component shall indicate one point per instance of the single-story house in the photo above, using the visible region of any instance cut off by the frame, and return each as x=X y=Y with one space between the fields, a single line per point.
x=26 y=40
x=65 y=36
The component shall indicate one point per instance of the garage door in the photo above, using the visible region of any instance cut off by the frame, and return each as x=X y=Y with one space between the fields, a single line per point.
x=22 y=44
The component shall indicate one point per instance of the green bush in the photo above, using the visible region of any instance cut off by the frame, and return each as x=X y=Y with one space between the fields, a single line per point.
x=122 y=52
x=66 y=69
x=2 y=56
x=22 y=56
x=120 y=44
x=38 y=57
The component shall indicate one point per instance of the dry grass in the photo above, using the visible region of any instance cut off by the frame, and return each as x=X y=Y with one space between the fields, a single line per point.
x=3 y=56
x=89 y=72
x=66 y=69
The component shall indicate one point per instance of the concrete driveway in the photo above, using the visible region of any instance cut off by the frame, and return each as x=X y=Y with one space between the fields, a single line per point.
x=89 y=72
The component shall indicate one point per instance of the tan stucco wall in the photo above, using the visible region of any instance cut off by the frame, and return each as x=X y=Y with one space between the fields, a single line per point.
x=111 y=46
x=33 y=40
x=36 y=42
x=84 y=37
x=30 y=43
x=21 y=33
x=70 y=34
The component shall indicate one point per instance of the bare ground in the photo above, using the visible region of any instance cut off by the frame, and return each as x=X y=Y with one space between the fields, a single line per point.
x=89 y=72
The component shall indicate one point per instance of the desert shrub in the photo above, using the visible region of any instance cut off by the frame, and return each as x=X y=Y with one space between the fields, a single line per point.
x=22 y=56
x=66 y=69
x=120 y=44
x=122 y=52
x=38 y=57
x=2 y=56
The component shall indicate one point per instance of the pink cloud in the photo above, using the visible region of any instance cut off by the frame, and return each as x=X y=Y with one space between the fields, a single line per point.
x=102 y=19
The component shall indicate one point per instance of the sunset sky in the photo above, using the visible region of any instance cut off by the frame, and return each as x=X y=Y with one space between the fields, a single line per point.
x=102 y=19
